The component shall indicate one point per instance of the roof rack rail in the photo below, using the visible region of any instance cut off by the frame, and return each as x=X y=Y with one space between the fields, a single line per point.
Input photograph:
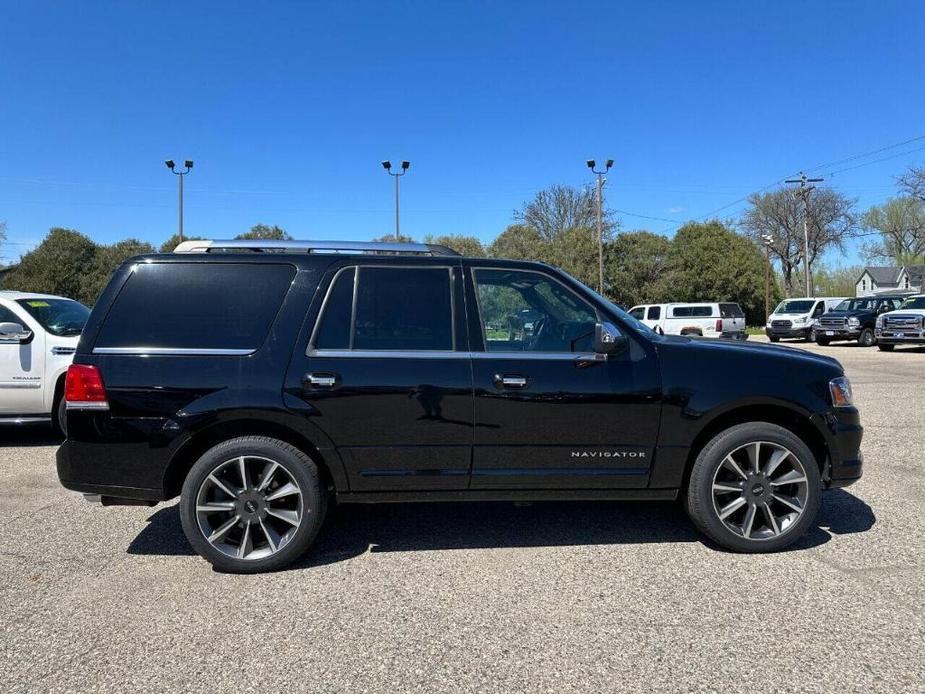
x=275 y=246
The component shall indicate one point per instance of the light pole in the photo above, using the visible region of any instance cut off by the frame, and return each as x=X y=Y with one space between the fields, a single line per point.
x=180 y=174
x=600 y=220
x=803 y=193
x=405 y=165
x=767 y=239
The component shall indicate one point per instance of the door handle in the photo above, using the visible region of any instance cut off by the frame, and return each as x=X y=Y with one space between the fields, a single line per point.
x=320 y=380
x=510 y=381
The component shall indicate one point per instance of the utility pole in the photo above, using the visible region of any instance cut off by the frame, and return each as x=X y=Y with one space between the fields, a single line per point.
x=405 y=165
x=600 y=220
x=180 y=174
x=803 y=193
x=767 y=239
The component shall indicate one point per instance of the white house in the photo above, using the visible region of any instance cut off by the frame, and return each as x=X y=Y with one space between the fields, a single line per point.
x=890 y=280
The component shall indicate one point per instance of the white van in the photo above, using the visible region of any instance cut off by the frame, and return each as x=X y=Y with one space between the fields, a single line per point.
x=38 y=337
x=722 y=319
x=795 y=317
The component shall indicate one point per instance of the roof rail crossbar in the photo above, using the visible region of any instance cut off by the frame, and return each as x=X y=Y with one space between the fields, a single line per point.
x=358 y=247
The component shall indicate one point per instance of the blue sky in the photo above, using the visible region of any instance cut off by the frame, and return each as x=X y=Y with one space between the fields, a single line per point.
x=287 y=108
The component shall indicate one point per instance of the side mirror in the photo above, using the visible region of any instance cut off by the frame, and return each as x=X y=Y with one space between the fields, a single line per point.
x=13 y=333
x=608 y=339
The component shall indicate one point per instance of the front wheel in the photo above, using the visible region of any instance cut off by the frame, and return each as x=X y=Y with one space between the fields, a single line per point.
x=822 y=341
x=866 y=338
x=252 y=504
x=773 y=338
x=811 y=336
x=885 y=348
x=754 y=488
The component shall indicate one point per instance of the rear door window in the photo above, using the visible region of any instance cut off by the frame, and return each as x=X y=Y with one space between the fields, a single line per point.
x=386 y=308
x=655 y=312
x=196 y=306
x=731 y=311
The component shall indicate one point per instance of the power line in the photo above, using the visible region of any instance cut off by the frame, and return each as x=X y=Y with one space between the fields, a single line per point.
x=877 y=161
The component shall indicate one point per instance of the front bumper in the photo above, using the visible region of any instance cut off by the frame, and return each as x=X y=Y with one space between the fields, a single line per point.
x=788 y=332
x=900 y=337
x=843 y=432
x=835 y=334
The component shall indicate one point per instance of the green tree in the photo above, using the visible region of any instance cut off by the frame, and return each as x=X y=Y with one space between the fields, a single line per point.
x=262 y=232
x=468 y=246
x=711 y=262
x=901 y=224
x=839 y=281
x=635 y=266
x=393 y=238
x=174 y=241
x=105 y=261
x=58 y=265
x=518 y=242
x=558 y=208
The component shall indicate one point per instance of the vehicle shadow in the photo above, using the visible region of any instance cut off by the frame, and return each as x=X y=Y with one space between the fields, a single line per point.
x=352 y=530
x=28 y=435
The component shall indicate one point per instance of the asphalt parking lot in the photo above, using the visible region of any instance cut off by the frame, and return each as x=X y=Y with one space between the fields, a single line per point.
x=481 y=597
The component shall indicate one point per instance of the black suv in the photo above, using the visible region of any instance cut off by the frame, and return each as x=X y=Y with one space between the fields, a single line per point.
x=259 y=381
x=854 y=319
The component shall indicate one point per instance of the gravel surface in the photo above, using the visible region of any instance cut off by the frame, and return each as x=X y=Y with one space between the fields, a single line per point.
x=556 y=597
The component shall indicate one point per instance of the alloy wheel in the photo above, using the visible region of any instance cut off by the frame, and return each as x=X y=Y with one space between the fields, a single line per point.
x=249 y=507
x=760 y=490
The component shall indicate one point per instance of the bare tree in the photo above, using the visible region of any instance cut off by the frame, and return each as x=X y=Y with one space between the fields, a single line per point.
x=901 y=224
x=780 y=214
x=913 y=182
x=559 y=208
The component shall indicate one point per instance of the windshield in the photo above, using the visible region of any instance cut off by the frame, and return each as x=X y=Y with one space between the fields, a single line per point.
x=914 y=302
x=857 y=305
x=795 y=306
x=61 y=317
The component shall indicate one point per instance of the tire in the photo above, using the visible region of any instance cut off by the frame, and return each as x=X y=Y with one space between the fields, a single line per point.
x=59 y=416
x=885 y=348
x=773 y=338
x=822 y=341
x=274 y=532
x=866 y=338
x=811 y=335
x=711 y=470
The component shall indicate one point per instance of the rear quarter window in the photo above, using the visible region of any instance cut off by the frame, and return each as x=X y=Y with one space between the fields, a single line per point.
x=731 y=311
x=196 y=306
x=692 y=312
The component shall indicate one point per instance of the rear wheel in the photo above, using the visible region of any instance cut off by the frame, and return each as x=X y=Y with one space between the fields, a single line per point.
x=252 y=504
x=885 y=348
x=754 y=488
x=59 y=416
x=866 y=338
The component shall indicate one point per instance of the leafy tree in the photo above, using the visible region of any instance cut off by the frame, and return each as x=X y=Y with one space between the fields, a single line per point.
x=263 y=232
x=838 y=281
x=556 y=209
x=780 y=214
x=710 y=262
x=174 y=241
x=518 y=242
x=393 y=238
x=901 y=223
x=105 y=261
x=468 y=246
x=634 y=267
x=58 y=265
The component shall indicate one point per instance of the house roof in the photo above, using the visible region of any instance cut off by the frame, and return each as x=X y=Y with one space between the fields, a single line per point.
x=915 y=272
x=883 y=275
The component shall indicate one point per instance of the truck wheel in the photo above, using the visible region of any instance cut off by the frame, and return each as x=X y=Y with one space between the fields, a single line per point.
x=866 y=338
x=252 y=504
x=885 y=348
x=773 y=338
x=811 y=335
x=754 y=488
x=59 y=416
x=822 y=341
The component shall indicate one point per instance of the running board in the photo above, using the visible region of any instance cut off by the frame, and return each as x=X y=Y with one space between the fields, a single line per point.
x=510 y=495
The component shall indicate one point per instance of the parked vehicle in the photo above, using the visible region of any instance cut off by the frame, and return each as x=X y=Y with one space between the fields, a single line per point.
x=259 y=386
x=854 y=319
x=38 y=337
x=904 y=326
x=795 y=318
x=725 y=319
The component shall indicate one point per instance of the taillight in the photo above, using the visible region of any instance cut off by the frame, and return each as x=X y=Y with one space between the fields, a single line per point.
x=719 y=325
x=83 y=388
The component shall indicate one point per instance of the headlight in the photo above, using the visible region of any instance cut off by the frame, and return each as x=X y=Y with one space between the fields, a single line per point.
x=880 y=321
x=816 y=323
x=853 y=322
x=840 y=388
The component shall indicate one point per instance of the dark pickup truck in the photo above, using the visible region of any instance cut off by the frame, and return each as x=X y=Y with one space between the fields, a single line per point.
x=261 y=380
x=854 y=319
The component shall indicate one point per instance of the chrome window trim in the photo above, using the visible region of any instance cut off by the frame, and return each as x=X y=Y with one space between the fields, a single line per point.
x=310 y=348
x=478 y=301
x=174 y=351
x=448 y=354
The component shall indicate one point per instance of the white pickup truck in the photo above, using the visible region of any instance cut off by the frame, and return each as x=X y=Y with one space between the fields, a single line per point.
x=38 y=337
x=904 y=326
x=723 y=319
